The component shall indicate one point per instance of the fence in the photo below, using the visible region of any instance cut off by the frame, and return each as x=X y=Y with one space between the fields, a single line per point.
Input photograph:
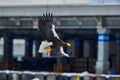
x=29 y=75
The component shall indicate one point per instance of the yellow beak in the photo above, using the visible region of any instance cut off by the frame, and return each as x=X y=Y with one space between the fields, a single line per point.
x=68 y=44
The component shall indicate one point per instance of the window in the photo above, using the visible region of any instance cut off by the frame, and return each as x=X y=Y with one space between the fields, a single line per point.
x=112 y=21
x=88 y=21
x=26 y=23
x=18 y=47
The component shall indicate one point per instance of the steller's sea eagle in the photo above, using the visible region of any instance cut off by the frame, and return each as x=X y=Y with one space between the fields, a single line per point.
x=49 y=35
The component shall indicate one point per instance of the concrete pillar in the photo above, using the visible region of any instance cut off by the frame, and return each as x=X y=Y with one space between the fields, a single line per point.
x=80 y=48
x=37 y=45
x=102 y=64
x=86 y=49
x=28 y=48
x=92 y=48
x=118 y=51
x=35 y=23
x=61 y=64
x=8 y=52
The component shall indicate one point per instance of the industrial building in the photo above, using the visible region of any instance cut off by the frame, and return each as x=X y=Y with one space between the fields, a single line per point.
x=93 y=30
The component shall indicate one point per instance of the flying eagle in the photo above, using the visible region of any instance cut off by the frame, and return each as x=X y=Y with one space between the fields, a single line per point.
x=49 y=35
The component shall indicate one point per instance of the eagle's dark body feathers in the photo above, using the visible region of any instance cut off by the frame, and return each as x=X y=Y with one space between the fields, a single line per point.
x=47 y=31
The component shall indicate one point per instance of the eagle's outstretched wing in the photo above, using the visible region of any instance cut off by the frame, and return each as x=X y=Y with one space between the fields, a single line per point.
x=45 y=26
x=47 y=31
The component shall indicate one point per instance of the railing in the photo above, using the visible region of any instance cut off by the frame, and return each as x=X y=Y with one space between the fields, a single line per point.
x=29 y=75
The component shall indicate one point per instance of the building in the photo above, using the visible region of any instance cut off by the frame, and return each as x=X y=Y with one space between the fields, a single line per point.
x=92 y=29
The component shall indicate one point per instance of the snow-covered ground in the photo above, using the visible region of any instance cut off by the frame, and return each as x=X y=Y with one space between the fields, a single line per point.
x=53 y=74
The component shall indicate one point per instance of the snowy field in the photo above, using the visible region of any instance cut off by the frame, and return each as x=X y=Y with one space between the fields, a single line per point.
x=29 y=75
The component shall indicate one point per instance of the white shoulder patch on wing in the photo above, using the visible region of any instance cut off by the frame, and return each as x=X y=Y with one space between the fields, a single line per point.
x=54 y=32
